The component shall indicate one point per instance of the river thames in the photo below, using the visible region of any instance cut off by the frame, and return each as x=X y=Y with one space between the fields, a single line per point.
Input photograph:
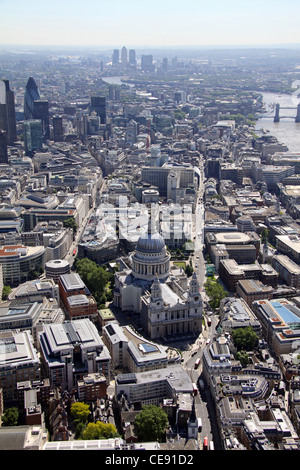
x=287 y=131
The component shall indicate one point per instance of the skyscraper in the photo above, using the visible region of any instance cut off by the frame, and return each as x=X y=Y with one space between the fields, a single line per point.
x=115 y=57
x=7 y=112
x=124 y=56
x=147 y=63
x=132 y=58
x=41 y=111
x=58 y=129
x=3 y=147
x=31 y=94
x=98 y=104
x=33 y=135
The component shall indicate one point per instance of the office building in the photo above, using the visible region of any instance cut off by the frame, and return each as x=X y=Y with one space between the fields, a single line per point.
x=41 y=111
x=56 y=268
x=289 y=245
x=31 y=94
x=76 y=299
x=252 y=289
x=280 y=320
x=152 y=387
x=124 y=56
x=147 y=63
x=33 y=136
x=231 y=272
x=58 y=130
x=3 y=147
x=19 y=262
x=98 y=104
x=70 y=351
x=21 y=313
x=236 y=313
x=91 y=388
x=132 y=352
x=19 y=361
x=218 y=359
x=159 y=176
x=7 y=112
x=288 y=270
x=115 y=57
x=132 y=58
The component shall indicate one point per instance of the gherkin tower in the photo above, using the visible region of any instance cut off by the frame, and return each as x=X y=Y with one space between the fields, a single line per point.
x=31 y=94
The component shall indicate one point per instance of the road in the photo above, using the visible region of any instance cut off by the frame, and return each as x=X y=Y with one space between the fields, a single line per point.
x=203 y=402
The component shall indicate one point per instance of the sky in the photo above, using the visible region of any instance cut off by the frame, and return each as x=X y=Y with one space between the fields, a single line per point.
x=140 y=23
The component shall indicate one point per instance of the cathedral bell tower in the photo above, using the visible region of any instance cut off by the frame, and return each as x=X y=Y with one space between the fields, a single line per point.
x=194 y=288
x=156 y=300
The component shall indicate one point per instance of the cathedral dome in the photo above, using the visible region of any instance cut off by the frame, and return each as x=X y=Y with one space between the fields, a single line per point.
x=150 y=243
x=151 y=258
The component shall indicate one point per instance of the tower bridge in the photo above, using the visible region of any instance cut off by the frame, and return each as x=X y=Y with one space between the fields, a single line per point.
x=278 y=108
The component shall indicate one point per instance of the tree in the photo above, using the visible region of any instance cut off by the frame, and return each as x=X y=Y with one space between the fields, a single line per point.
x=244 y=339
x=99 y=430
x=70 y=223
x=243 y=357
x=264 y=235
x=80 y=428
x=95 y=277
x=215 y=292
x=10 y=417
x=151 y=423
x=189 y=270
x=80 y=411
x=5 y=292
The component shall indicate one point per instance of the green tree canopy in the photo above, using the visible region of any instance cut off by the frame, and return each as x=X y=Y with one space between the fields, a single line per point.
x=95 y=277
x=5 y=292
x=243 y=357
x=151 y=423
x=264 y=235
x=244 y=339
x=189 y=270
x=70 y=223
x=80 y=411
x=10 y=417
x=215 y=292
x=99 y=430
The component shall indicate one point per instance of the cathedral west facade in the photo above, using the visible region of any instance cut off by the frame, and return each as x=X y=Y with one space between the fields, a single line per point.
x=170 y=305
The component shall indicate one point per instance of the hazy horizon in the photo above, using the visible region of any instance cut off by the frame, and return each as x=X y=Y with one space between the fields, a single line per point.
x=138 y=24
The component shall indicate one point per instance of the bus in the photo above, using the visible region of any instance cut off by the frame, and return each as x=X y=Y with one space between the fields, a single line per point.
x=197 y=363
x=199 y=424
x=205 y=443
x=195 y=389
x=74 y=252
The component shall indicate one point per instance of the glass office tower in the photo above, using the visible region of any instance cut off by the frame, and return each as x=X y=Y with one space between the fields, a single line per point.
x=31 y=94
x=33 y=135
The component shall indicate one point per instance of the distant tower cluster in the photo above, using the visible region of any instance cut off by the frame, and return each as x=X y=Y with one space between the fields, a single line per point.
x=125 y=60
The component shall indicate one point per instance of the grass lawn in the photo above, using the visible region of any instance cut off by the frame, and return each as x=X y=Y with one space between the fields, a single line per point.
x=180 y=264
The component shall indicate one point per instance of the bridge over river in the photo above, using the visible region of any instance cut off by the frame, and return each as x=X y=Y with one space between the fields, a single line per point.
x=277 y=116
